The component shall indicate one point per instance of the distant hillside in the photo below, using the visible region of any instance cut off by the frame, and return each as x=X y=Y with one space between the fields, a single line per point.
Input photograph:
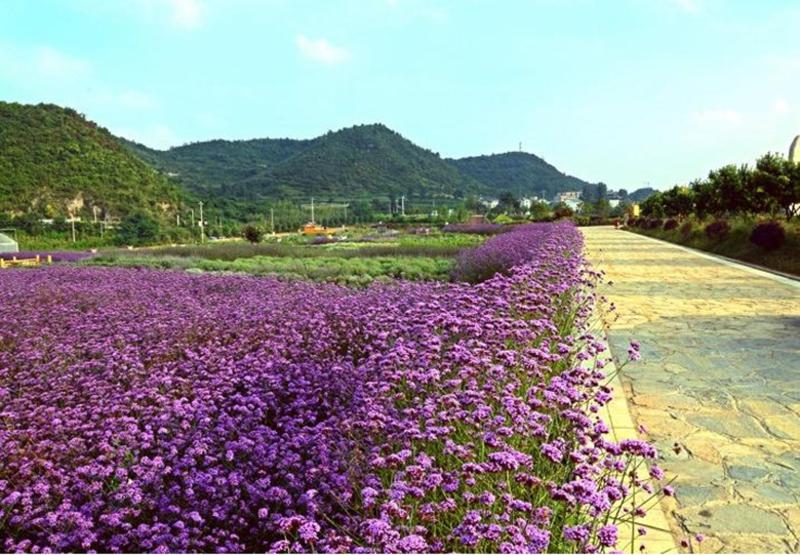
x=364 y=161
x=54 y=162
x=518 y=172
x=640 y=195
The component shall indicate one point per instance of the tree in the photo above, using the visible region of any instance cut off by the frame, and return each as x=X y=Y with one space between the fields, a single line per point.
x=252 y=234
x=137 y=229
x=677 y=202
x=562 y=210
x=779 y=180
x=507 y=203
x=602 y=191
x=540 y=211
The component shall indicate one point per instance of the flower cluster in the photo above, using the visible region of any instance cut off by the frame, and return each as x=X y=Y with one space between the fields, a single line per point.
x=480 y=229
x=502 y=253
x=167 y=412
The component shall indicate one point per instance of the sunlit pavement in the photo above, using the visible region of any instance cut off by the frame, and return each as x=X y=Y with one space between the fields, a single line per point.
x=719 y=377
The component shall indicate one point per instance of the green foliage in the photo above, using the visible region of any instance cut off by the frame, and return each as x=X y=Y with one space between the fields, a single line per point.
x=772 y=187
x=358 y=271
x=138 y=229
x=252 y=234
x=520 y=172
x=736 y=243
x=364 y=162
x=54 y=162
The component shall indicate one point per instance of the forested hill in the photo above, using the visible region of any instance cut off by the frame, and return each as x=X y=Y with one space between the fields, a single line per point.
x=363 y=161
x=518 y=172
x=55 y=162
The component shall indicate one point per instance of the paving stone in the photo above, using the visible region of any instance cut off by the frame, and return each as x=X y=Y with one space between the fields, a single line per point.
x=767 y=494
x=721 y=375
x=690 y=496
x=737 y=518
x=740 y=426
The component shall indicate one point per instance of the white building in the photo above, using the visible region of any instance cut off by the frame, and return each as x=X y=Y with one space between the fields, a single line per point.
x=566 y=196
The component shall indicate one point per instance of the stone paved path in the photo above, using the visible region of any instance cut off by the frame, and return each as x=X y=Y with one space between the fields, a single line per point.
x=719 y=376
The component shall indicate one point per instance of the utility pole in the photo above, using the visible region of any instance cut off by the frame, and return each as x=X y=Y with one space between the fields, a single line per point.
x=192 y=211
x=72 y=219
x=312 y=210
x=178 y=219
x=202 y=233
x=403 y=205
x=272 y=220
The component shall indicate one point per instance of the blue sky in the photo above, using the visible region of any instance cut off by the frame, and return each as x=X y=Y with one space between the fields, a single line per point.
x=627 y=92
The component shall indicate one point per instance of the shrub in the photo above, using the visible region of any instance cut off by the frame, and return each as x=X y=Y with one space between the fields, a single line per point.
x=654 y=223
x=718 y=229
x=686 y=229
x=670 y=224
x=252 y=234
x=479 y=229
x=768 y=235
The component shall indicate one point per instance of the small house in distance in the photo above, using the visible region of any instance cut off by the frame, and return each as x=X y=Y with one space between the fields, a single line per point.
x=7 y=244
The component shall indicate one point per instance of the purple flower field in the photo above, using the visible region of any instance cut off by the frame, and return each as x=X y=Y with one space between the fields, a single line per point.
x=481 y=229
x=161 y=411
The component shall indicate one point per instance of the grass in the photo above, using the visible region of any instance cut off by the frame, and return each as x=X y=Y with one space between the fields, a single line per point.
x=343 y=270
x=357 y=261
x=737 y=243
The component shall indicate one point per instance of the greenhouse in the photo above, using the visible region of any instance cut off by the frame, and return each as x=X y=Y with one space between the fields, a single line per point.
x=7 y=244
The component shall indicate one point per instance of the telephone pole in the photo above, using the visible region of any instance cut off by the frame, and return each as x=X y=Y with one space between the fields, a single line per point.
x=403 y=205
x=272 y=220
x=202 y=233
x=312 y=210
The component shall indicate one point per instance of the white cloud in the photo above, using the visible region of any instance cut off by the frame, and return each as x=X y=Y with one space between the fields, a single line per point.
x=186 y=14
x=320 y=50
x=690 y=6
x=50 y=63
x=718 y=116
x=780 y=106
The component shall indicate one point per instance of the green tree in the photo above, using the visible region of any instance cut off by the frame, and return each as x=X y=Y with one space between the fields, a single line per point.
x=778 y=178
x=137 y=229
x=252 y=234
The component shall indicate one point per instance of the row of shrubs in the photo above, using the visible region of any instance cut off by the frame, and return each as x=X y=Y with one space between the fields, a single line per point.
x=768 y=235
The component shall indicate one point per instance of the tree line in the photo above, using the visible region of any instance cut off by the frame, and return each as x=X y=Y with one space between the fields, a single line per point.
x=771 y=187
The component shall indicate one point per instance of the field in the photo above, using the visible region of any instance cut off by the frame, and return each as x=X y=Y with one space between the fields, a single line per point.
x=357 y=261
x=156 y=411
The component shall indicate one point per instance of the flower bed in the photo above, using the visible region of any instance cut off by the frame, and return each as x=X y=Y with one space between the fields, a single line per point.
x=160 y=411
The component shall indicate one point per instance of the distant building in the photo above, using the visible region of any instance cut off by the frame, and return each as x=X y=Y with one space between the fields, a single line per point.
x=794 y=150
x=567 y=196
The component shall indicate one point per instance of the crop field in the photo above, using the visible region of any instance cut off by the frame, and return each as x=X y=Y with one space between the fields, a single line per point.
x=145 y=410
x=357 y=261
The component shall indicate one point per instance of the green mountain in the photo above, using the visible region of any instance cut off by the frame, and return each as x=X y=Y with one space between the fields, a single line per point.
x=360 y=162
x=519 y=173
x=54 y=162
